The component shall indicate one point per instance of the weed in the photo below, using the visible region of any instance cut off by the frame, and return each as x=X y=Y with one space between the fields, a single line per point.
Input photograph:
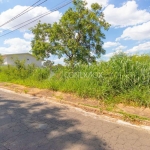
x=26 y=91
x=123 y=79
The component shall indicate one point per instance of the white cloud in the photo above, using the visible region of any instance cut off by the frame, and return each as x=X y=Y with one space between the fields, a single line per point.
x=15 y=45
x=110 y=44
x=117 y=51
x=117 y=46
x=140 y=48
x=109 y=55
x=120 y=48
x=28 y=36
x=126 y=15
x=10 y=13
x=59 y=61
x=101 y=2
x=139 y=32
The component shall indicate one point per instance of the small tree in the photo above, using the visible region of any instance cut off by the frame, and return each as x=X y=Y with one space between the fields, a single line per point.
x=77 y=36
x=1 y=60
x=49 y=64
x=20 y=64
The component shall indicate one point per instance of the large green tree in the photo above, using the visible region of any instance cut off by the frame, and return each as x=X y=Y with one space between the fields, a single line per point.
x=77 y=36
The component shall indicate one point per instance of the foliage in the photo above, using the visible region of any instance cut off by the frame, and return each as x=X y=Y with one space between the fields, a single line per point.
x=77 y=36
x=123 y=79
x=19 y=71
x=40 y=74
x=1 y=60
x=41 y=47
x=20 y=64
x=49 y=64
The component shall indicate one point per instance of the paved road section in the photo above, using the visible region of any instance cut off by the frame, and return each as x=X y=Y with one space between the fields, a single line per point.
x=30 y=124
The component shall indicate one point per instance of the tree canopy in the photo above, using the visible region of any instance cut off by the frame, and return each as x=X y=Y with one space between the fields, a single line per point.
x=77 y=36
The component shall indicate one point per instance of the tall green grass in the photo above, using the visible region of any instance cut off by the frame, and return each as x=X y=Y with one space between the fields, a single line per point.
x=123 y=79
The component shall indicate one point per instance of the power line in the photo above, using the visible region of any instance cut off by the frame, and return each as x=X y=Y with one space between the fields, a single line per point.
x=23 y=12
x=38 y=18
x=33 y=17
x=18 y=15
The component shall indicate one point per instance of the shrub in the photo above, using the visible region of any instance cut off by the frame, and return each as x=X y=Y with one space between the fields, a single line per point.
x=40 y=74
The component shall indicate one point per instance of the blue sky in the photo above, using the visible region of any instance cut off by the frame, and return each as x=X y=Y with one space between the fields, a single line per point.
x=129 y=19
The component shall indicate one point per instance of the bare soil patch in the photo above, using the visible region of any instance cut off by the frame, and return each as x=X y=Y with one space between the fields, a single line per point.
x=129 y=113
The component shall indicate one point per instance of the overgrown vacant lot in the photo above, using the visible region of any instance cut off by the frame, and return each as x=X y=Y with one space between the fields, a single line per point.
x=123 y=79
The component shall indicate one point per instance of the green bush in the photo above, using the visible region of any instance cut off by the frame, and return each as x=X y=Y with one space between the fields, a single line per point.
x=40 y=74
x=123 y=79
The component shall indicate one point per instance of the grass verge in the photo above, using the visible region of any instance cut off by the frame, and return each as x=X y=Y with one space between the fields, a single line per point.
x=123 y=79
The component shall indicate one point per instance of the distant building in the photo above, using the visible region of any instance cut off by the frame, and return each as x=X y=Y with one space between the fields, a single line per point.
x=9 y=59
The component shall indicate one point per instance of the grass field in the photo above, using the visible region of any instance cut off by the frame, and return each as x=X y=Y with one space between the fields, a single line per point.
x=123 y=79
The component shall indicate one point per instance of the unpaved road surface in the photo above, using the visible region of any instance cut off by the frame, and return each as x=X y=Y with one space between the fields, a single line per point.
x=28 y=123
